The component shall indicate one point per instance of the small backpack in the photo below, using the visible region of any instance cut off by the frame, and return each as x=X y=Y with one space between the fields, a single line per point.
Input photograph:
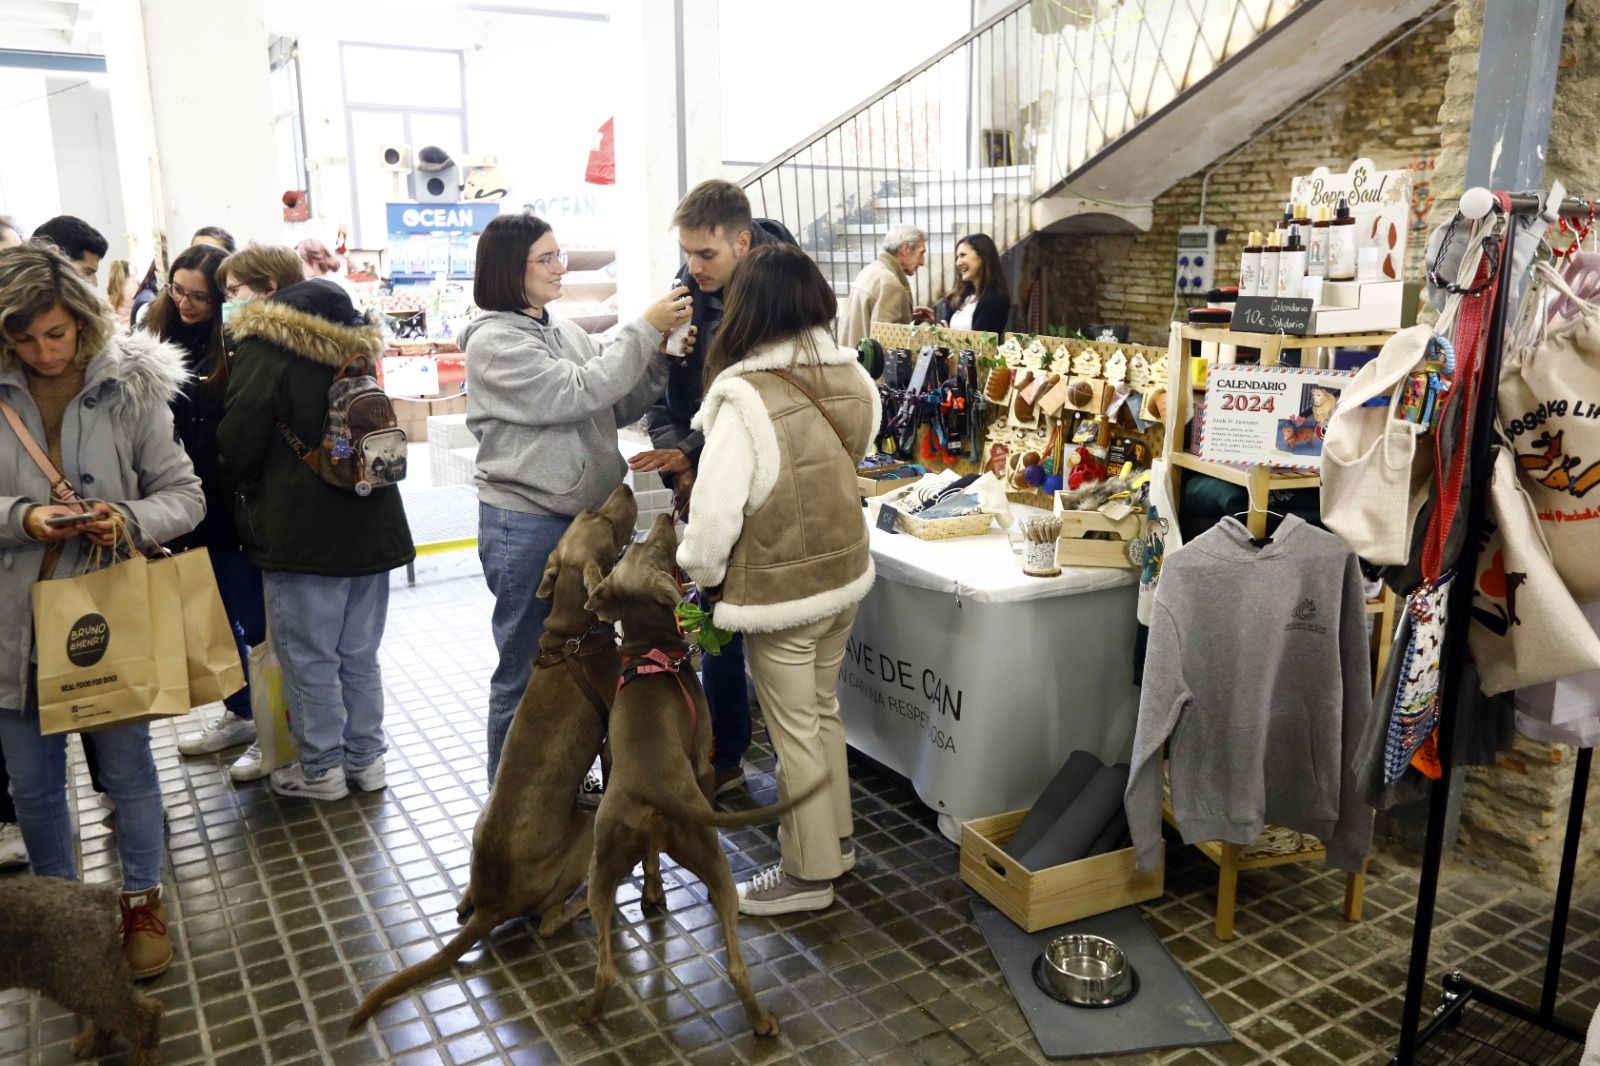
x=363 y=447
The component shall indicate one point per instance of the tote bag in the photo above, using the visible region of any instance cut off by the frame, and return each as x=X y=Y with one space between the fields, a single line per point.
x=111 y=650
x=1550 y=407
x=1526 y=628
x=1373 y=484
x=210 y=652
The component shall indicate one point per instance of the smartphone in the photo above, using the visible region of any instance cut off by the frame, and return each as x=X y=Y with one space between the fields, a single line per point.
x=56 y=521
x=679 y=334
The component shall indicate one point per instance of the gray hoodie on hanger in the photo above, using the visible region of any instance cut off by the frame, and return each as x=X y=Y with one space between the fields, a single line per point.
x=1257 y=673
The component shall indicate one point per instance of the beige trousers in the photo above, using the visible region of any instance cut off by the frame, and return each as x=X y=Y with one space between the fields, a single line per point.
x=796 y=672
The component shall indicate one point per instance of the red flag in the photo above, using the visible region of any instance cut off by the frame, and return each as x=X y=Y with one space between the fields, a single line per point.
x=602 y=158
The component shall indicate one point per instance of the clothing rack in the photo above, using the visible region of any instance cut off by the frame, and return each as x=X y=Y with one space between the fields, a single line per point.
x=1477 y=1024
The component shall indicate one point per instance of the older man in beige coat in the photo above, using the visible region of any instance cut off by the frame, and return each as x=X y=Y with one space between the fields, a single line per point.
x=882 y=291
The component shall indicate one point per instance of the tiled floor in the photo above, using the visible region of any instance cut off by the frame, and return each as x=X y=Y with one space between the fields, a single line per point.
x=286 y=911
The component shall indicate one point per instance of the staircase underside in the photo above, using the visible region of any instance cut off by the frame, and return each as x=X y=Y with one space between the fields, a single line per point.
x=1291 y=60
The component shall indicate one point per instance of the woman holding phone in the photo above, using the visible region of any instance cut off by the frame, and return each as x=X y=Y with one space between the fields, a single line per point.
x=95 y=403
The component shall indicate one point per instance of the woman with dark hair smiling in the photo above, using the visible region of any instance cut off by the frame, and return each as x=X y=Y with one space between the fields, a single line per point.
x=981 y=300
x=545 y=402
x=776 y=530
x=188 y=313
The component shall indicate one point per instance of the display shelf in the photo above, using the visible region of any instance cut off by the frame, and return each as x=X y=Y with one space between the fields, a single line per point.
x=1476 y=1025
x=1232 y=859
x=1277 y=342
x=1240 y=473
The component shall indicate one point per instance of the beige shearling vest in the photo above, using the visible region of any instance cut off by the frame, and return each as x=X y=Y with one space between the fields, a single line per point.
x=804 y=552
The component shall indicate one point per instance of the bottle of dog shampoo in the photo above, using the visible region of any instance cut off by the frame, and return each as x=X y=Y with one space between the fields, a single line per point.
x=1342 y=244
x=1250 y=266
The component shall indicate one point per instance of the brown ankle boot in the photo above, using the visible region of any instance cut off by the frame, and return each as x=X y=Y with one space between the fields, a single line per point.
x=144 y=933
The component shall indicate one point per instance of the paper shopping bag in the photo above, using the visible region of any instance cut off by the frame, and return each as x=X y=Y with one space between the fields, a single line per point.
x=1526 y=629
x=212 y=654
x=270 y=708
x=110 y=646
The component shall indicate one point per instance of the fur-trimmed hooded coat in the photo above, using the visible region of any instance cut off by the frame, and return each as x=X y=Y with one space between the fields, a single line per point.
x=288 y=349
x=776 y=517
x=117 y=445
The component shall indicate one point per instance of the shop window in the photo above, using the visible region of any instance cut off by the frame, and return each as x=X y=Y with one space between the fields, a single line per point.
x=397 y=96
x=288 y=121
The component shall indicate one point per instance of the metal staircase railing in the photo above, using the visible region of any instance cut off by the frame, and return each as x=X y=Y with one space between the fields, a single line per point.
x=966 y=140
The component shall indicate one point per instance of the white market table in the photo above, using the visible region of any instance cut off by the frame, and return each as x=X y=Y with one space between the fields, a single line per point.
x=976 y=681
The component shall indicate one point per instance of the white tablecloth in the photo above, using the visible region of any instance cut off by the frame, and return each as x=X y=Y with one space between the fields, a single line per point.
x=977 y=681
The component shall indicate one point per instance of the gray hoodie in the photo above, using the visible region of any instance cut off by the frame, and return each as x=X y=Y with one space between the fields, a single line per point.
x=545 y=402
x=1257 y=672
x=118 y=445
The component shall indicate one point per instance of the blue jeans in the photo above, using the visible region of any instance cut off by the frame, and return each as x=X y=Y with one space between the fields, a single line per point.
x=729 y=700
x=326 y=631
x=239 y=582
x=38 y=769
x=513 y=547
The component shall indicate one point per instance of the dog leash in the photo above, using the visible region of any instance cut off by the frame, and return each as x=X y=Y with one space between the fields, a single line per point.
x=656 y=661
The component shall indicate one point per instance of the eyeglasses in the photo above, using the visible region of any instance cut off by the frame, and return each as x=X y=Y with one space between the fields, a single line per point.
x=199 y=299
x=550 y=261
x=235 y=289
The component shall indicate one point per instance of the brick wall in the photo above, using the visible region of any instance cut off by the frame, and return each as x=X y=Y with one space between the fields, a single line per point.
x=1387 y=112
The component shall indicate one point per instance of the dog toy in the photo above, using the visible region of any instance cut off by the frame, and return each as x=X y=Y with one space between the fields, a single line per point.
x=1084 y=467
x=694 y=622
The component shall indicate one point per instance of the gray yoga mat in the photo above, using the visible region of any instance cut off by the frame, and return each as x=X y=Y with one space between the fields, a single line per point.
x=1167 y=1012
x=1052 y=802
x=1073 y=835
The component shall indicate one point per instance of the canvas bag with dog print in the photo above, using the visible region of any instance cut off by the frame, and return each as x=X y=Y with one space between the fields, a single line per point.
x=1550 y=408
x=1526 y=629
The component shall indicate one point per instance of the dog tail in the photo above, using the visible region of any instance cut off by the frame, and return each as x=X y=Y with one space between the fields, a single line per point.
x=478 y=927
x=705 y=815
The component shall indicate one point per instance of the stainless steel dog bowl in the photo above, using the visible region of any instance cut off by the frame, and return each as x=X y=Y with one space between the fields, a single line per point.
x=1086 y=971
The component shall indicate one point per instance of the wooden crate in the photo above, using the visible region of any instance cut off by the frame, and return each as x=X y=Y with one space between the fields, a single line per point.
x=1039 y=899
x=1073 y=550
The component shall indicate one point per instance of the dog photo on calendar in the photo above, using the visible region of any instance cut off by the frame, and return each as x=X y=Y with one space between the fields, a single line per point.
x=1302 y=434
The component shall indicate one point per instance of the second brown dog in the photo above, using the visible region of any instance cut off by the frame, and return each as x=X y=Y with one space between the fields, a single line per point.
x=658 y=798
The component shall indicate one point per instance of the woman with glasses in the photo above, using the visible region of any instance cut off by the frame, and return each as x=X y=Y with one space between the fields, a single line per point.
x=545 y=402
x=188 y=313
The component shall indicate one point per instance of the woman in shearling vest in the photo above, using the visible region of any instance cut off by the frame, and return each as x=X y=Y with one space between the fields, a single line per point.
x=777 y=527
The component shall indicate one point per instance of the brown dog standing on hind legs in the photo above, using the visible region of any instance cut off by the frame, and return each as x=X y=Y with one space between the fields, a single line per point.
x=532 y=843
x=658 y=797
x=60 y=938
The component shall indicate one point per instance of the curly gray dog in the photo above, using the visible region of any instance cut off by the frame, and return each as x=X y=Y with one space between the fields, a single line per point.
x=61 y=938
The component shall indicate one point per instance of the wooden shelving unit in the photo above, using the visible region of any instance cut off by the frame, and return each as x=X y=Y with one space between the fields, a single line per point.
x=1259 y=481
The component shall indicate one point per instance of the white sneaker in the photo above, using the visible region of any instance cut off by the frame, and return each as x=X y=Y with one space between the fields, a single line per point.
x=291 y=780
x=13 y=852
x=369 y=778
x=227 y=730
x=247 y=767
